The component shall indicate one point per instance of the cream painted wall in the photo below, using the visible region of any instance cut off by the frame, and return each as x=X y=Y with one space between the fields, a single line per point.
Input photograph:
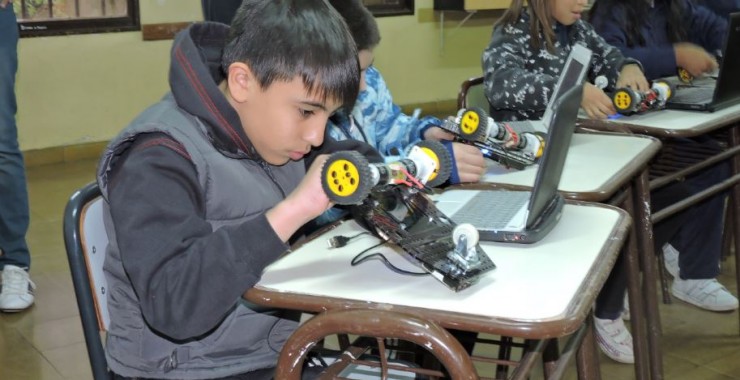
x=85 y=88
x=417 y=65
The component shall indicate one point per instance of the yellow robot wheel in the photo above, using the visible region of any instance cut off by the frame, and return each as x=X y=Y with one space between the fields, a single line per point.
x=346 y=178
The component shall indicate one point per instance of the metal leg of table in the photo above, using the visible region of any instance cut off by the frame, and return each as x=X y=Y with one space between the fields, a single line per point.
x=587 y=359
x=637 y=311
x=550 y=358
x=644 y=228
x=735 y=204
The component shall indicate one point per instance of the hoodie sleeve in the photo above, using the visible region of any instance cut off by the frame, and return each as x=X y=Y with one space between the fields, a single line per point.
x=507 y=83
x=187 y=276
x=391 y=128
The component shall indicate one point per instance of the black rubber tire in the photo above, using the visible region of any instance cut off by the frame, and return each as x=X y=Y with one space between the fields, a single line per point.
x=441 y=156
x=625 y=100
x=346 y=178
x=473 y=132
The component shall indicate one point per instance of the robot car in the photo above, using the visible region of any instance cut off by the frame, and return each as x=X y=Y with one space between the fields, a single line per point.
x=497 y=141
x=628 y=101
x=389 y=199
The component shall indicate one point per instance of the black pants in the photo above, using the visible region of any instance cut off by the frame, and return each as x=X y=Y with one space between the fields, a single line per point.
x=695 y=232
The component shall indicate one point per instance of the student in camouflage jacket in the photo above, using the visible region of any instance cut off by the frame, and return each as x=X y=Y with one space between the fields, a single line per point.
x=527 y=52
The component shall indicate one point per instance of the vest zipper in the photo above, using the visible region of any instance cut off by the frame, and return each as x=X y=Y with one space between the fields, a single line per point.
x=268 y=171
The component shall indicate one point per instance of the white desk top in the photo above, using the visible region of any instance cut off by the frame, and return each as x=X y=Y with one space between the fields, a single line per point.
x=538 y=282
x=595 y=163
x=673 y=122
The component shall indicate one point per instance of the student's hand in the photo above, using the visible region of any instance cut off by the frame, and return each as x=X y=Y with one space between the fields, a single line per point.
x=4 y=3
x=470 y=162
x=437 y=133
x=305 y=203
x=694 y=58
x=631 y=76
x=596 y=103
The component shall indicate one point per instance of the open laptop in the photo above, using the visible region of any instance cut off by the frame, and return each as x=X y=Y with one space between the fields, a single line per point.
x=574 y=70
x=521 y=216
x=726 y=91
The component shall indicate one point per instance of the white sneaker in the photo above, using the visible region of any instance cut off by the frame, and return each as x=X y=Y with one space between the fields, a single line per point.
x=670 y=258
x=614 y=339
x=17 y=290
x=706 y=294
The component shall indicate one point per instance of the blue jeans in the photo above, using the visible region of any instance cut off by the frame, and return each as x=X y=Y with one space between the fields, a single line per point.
x=13 y=192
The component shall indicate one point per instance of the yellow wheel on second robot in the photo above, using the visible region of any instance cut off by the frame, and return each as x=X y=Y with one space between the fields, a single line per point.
x=473 y=124
x=346 y=177
x=623 y=100
x=684 y=75
x=469 y=122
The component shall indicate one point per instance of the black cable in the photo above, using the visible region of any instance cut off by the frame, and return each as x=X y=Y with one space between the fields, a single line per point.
x=357 y=260
x=341 y=240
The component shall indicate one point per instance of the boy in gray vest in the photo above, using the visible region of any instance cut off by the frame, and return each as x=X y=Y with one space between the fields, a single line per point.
x=205 y=187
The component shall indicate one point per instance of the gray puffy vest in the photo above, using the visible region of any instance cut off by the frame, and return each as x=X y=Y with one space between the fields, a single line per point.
x=235 y=190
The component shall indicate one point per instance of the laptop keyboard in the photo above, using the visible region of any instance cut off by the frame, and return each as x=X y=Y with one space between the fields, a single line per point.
x=492 y=210
x=693 y=95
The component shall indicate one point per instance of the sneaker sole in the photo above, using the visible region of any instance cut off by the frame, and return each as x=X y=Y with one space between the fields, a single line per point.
x=684 y=297
x=608 y=354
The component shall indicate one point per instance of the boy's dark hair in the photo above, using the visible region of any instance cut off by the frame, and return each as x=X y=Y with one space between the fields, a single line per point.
x=539 y=21
x=636 y=14
x=282 y=39
x=361 y=23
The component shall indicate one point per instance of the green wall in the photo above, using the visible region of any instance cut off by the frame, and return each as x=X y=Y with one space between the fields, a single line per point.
x=85 y=88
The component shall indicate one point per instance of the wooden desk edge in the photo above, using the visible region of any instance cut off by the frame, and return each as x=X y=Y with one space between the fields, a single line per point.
x=602 y=194
x=568 y=324
x=698 y=130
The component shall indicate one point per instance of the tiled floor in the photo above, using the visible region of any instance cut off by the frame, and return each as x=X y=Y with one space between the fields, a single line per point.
x=46 y=341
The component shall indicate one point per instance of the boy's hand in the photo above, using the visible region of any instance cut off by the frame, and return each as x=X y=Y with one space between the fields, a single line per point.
x=4 y=3
x=305 y=203
x=694 y=58
x=470 y=162
x=631 y=76
x=596 y=103
x=437 y=133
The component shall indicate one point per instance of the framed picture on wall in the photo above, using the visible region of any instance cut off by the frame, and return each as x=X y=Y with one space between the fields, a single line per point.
x=390 y=7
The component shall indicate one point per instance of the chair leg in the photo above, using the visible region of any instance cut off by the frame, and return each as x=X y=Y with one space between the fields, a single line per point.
x=504 y=353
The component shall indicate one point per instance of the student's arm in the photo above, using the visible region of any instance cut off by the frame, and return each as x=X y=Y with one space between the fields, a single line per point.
x=508 y=85
x=392 y=128
x=187 y=276
x=608 y=61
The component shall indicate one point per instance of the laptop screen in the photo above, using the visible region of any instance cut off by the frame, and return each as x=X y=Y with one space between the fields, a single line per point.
x=573 y=73
x=556 y=149
x=729 y=72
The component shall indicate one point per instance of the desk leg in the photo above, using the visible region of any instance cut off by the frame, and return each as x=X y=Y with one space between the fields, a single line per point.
x=550 y=358
x=644 y=229
x=637 y=311
x=587 y=359
x=735 y=203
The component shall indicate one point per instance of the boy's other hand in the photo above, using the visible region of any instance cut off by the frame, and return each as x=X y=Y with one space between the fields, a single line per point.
x=4 y=3
x=437 y=133
x=694 y=58
x=596 y=103
x=470 y=162
x=631 y=76
x=305 y=203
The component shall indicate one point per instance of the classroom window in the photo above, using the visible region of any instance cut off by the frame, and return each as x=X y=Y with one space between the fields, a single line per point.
x=60 y=17
x=390 y=7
